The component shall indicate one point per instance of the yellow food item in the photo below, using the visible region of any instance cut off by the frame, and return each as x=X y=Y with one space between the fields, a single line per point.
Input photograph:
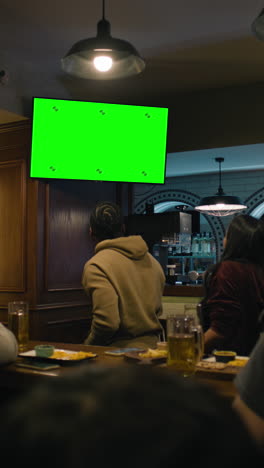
x=71 y=356
x=153 y=353
x=238 y=362
x=211 y=365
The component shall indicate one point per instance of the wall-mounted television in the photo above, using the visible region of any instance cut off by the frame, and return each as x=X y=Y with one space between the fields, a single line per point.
x=98 y=141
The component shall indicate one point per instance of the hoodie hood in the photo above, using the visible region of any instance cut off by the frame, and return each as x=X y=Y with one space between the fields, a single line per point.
x=131 y=246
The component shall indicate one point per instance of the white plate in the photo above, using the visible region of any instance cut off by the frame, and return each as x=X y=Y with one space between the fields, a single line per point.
x=32 y=355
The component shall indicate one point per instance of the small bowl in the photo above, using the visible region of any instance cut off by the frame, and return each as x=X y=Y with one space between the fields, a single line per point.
x=224 y=356
x=44 y=350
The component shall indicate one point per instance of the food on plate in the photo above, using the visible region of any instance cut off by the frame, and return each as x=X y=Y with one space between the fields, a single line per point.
x=153 y=353
x=238 y=362
x=211 y=365
x=74 y=356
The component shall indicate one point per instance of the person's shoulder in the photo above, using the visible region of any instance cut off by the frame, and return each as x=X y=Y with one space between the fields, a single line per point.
x=225 y=267
x=229 y=270
x=232 y=266
x=156 y=264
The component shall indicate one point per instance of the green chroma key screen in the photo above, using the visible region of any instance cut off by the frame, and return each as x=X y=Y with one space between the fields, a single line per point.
x=98 y=141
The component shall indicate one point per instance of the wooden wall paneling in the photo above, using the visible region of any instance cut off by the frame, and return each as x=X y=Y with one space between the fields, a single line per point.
x=67 y=323
x=67 y=244
x=124 y=197
x=16 y=270
x=41 y=239
x=64 y=244
x=12 y=227
x=15 y=135
x=32 y=242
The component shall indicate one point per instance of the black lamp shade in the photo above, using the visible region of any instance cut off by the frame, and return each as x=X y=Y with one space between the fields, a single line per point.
x=220 y=205
x=79 y=60
x=257 y=26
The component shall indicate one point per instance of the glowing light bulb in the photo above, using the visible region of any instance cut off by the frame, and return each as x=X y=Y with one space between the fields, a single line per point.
x=103 y=63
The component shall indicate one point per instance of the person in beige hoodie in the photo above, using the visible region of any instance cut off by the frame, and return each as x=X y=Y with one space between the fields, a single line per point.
x=124 y=282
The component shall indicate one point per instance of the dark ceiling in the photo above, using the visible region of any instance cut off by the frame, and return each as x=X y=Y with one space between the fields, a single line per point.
x=187 y=45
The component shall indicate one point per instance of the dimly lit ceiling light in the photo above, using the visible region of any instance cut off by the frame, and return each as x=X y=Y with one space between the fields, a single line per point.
x=102 y=57
x=257 y=26
x=220 y=204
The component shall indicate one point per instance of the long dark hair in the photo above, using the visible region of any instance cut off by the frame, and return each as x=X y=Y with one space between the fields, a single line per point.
x=245 y=240
x=244 y=243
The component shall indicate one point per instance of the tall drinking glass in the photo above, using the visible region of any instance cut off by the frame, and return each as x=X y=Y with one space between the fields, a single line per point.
x=199 y=341
x=194 y=310
x=182 y=344
x=18 y=322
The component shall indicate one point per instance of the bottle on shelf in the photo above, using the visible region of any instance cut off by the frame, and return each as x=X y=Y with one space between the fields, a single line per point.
x=208 y=244
x=203 y=244
x=195 y=244
x=170 y=250
x=185 y=240
x=212 y=245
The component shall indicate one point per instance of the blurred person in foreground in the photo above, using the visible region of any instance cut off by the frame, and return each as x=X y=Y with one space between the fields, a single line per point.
x=124 y=282
x=133 y=416
x=249 y=383
x=8 y=346
x=234 y=289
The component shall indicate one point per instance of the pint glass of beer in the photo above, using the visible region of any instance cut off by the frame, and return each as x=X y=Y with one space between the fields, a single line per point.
x=182 y=344
x=18 y=323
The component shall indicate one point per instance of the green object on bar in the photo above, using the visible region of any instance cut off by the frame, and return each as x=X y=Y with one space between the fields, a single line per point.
x=44 y=350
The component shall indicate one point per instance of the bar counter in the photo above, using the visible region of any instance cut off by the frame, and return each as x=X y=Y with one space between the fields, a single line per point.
x=14 y=379
x=188 y=290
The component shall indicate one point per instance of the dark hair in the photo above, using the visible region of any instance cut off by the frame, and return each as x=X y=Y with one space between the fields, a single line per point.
x=124 y=415
x=245 y=240
x=106 y=221
x=244 y=243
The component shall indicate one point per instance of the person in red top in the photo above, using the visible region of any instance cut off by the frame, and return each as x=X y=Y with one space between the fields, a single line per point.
x=234 y=289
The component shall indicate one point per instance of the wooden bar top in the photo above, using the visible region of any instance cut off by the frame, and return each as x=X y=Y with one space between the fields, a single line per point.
x=18 y=379
x=184 y=290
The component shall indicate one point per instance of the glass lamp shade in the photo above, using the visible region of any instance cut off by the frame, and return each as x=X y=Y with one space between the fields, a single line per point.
x=220 y=205
x=79 y=61
x=257 y=26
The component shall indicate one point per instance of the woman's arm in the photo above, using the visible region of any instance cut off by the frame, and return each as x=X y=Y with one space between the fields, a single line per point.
x=212 y=340
x=222 y=306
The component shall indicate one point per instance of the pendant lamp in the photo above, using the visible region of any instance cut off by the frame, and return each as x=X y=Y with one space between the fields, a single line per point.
x=220 y=204
x=257 y=26
x=102 y=57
